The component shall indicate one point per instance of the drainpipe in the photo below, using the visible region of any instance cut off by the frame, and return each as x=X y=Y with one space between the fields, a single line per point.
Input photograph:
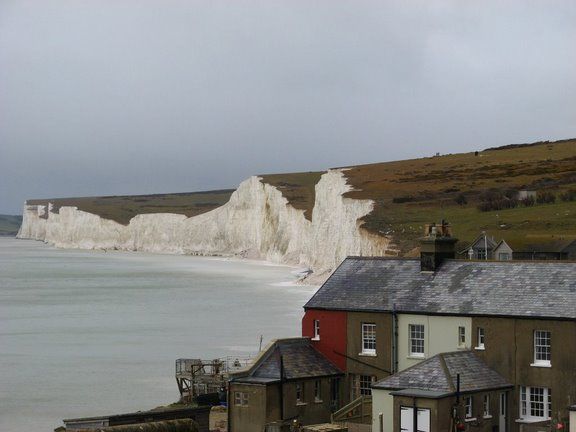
x=415 y=415
x=228 y=407
x=281 y=388
x=394 y=340
x=457 y=389
x=485 y=246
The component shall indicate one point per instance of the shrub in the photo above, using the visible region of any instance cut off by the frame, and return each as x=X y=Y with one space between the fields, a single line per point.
x=528 y=201
x=569 y=195
x=403 y=199
x=497 y=204
x=461 y=200
x=545 y=197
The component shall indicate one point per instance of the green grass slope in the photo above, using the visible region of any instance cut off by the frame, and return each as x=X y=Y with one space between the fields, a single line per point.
x=9 y=225
x=411 y=193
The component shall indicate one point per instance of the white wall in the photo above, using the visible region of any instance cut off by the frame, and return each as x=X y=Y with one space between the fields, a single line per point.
x=440 y=335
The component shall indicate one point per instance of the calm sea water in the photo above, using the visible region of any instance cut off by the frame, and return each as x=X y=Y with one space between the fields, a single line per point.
x=85 y=333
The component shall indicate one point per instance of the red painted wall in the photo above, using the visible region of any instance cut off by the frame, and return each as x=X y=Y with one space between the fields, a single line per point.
x=332 y=334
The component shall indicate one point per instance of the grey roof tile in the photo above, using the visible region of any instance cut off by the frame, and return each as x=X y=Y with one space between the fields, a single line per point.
x=439 y=373
x=512 y=288
x=301 y=361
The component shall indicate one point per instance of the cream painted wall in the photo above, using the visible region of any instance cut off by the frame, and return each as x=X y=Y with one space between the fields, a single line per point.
x=440 y=335
x=383 y=402
x=572 y=421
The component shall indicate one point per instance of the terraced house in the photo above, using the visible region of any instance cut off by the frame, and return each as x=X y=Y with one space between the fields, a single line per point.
x=443 y=344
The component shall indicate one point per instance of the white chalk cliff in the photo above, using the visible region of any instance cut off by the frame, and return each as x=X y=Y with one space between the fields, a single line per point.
x=257 y=222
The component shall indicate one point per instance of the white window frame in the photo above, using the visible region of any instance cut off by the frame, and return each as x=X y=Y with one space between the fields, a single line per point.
x=542 y=348
x=461 y=337
x=414 y=333
x=468 y=408
x=486 y=413
x=317 y=391
x=316 y=324
x=530 y=398
x=481 y=335
x=368 y=339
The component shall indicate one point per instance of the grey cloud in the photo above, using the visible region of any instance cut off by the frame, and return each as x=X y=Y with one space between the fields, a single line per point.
x=118 y=97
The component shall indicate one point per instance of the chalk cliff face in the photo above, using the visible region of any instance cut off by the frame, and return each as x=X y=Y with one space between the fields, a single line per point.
x=257 y=222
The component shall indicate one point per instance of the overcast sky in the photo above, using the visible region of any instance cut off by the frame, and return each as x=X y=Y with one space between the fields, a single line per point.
x=104 y=97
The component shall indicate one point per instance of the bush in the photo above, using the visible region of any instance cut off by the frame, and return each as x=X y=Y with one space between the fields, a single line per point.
x=569 y=195
x=499 y=204
x=494 y=199
x=403 y=199
x=528 y=201
x=545 y=197
x=461 y=200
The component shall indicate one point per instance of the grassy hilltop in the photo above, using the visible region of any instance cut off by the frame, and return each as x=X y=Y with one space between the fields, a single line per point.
x=474 y=191
x=410 y=193
x=9 y=225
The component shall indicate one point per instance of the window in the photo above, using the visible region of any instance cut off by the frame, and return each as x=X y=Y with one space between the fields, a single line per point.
x=318 y=391
x=541 y=348
x=416 y=341
x=335 y=394
x=535 y=403
x=468 y=406
x=316 y=330
x=487 y=406
x=480 y=338
x=461 y=337
x=299 y=393
x=368 y=339
x=365 y=384
x=481 y=253
x=504 y=256
x=240 y=398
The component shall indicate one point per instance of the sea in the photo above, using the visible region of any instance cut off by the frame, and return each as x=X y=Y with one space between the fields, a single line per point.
x=88 y=333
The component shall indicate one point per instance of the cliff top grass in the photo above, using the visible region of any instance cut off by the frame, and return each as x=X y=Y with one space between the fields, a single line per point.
x=411 y=193
x=297 y=188
x=123 y=208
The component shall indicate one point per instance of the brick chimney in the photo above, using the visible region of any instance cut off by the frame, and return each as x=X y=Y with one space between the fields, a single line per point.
x=436 y=246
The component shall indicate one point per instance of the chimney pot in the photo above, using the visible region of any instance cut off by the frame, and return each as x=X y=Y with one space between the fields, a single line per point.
x=437 y=246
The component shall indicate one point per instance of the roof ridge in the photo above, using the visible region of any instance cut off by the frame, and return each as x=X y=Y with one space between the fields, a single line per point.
x=447 y=372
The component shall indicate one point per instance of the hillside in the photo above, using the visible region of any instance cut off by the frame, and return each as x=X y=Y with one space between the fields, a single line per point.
x=391 y=201
x=9 y=225
x=410 y=193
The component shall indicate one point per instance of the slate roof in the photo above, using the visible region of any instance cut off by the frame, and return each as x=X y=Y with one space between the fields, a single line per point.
x=459 y=287
x=301 y=361
x=438 y=374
